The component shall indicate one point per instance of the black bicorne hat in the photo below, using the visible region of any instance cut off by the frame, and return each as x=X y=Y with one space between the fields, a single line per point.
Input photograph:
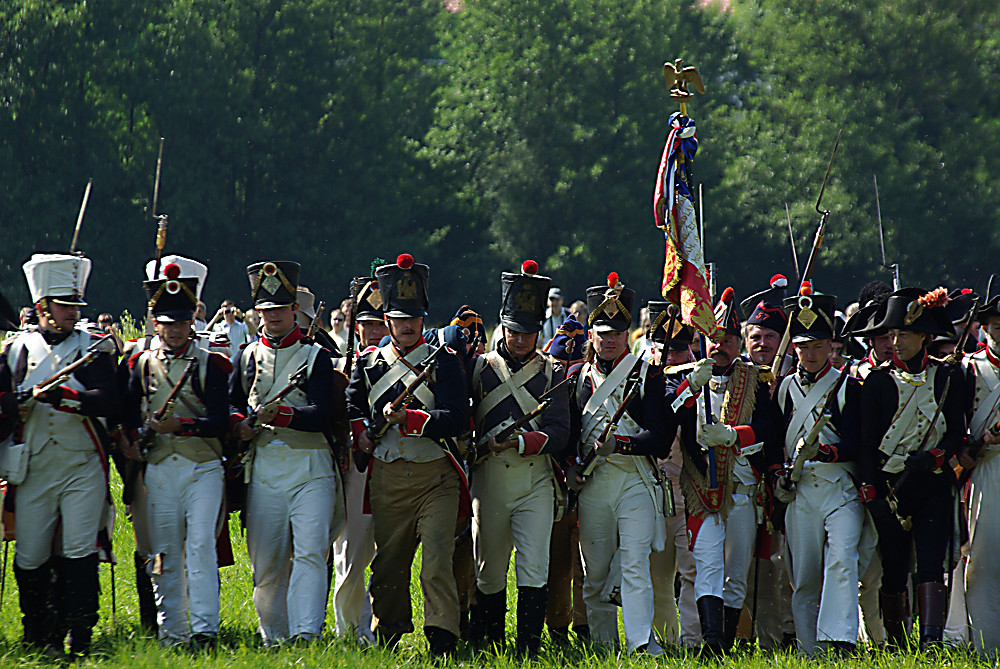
x=852 y=347
x=172 y=299
x=990 y=306
x=917 y=310
x=273 y=283
x=369 y=305
x=959 y=306
x=610 y=306
x=523 y=297
x=774 y=296
x=812 y=317
x=404 y=287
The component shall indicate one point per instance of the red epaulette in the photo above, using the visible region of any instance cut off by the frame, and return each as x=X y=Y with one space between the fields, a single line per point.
x=220 y=361
x=133 y=359
x=245 y=344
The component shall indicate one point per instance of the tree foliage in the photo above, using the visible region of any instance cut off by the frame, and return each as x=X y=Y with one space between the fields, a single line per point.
x=334 y=131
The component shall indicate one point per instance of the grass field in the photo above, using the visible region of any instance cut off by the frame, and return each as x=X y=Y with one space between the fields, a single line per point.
x=119 y=643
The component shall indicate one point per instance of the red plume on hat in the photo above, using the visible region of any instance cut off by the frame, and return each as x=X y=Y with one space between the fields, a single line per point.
x=612 y=279
x=779 y=281
x=529 y=267
x=404 y=260
x=936 y=298
x=172 y=271
x=806 y=288
x=727 y=295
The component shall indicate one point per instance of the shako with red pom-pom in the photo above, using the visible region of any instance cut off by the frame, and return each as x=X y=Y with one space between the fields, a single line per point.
x=523 y=297
x=174 y=298
x=403 y=287
x=273 y=283
x=610 y=305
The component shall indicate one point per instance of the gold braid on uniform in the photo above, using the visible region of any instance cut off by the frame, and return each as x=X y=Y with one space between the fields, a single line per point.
x=742 y=390
x=44 y=304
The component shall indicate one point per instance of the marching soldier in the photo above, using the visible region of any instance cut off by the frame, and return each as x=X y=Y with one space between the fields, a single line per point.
x=621 y=504
x=415 y=482
x=722 y=519
x=982 y=580
x=514 y=489
x=912 y=423
x=872 y=309
x=354 y=549
x=676 y=557
x=183 y=476
x=766 y=323
x=284 y=394
x=824 y=517
x=56 y=460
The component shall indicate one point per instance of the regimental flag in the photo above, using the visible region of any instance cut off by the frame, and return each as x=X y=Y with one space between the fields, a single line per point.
x=685 y=281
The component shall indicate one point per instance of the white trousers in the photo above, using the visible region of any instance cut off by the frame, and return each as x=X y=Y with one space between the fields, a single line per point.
x=723 y=551
x=512 y=508
x=675 y=558
x=65 y=491
x=288 y=539
x=184 y=503
x=871 y=615
x=982 y=573
x=617 y=512
x=823 y=529
x=139 y=511
x=353 y=551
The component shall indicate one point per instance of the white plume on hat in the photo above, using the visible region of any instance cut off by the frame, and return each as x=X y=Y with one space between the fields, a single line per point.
x=60 y=276
x=189 y=268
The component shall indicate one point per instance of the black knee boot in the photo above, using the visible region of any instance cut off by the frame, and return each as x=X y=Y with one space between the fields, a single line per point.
x=933 y=598
x=710 y=611
x=38 y=614
x=147 y=601
x=531 y=604
x=730 y=622
x=79 y=600
x=487 y=619
x=441 y=642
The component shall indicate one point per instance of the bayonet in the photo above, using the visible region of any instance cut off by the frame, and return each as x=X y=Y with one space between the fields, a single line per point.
x=79 y=217
x=894 y=267
x=791 y=240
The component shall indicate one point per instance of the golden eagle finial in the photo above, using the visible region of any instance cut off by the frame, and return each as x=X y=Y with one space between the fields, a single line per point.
x=678 y=79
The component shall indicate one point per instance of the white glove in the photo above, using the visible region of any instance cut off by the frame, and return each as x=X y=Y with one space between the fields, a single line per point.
x=807 y=451
x=700 y=374
x=785 y=490
x=716 y=435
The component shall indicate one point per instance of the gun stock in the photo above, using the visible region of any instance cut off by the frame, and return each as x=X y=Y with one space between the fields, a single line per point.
x=146 y=434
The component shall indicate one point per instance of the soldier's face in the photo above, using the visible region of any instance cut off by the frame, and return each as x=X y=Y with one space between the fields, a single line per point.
x=405 y=332
x=519 y=344
x=992 y=330
x=813 y=355
x=173 y=335
x=279 y=321
x=678 y=357
x=609 y=345
x=63 y=317
x=724 y=351
x=882 y=347
x=906 y=343
x=371 y=332
x=762 y=344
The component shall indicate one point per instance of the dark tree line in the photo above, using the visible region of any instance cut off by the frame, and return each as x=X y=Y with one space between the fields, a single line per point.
x=335 y=131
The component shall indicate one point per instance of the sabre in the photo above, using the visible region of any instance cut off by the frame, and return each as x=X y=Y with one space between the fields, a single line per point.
x=894 y=267
x=79 y=217
x=791 y=240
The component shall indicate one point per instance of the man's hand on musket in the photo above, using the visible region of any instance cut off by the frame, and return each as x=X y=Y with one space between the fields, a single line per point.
x=965 y=458
x=47 y=396
x=393 y=417
x=168 y=426
x=129 y=448
x=365 y=444
x=492 y=444
x=243 y=431
x=990 y=439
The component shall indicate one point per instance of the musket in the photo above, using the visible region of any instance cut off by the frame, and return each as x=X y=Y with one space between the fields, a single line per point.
x=316 y=319
x=79 y=217
x=894 y=267
x=352 y=322
x=590 y=459
x=147 y=435
x=953 y=357
x=479 y=452
x=824 y=216
x=25 y=396
x=795 y=473
x=161 y=219
x=791 y=240
x=379 y=425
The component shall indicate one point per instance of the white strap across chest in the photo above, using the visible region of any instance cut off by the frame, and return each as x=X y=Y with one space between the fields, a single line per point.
x=804 y=416
x=988 y=373
x=45 y=361
x=510 y=385
x=262 y=390
x=398 y=371
x=603 y=402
